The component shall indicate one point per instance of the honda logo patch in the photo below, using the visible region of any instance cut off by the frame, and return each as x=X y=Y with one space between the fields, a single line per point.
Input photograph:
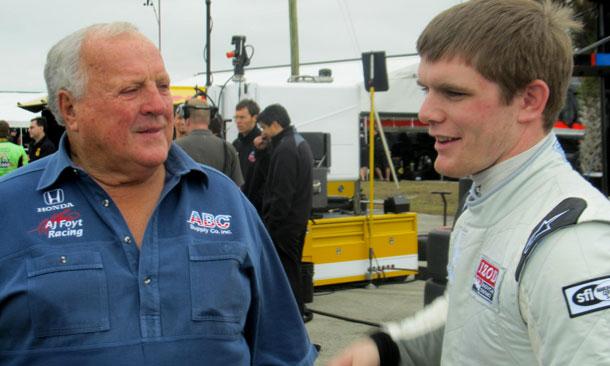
x=54 y=197
x=587 y=297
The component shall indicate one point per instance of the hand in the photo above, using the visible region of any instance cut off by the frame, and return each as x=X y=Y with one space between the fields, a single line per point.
x=260 y=142
x=360 y=353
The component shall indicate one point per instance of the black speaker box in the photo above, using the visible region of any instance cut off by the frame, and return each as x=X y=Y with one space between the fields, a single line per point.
x=396 y=204
x=375 y=73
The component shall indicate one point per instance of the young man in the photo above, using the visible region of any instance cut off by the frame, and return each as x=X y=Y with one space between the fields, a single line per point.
x=122 y=250
x=12 y=156
x=205 y=147
x=288 y=192
x=528 y=265
x=41 y=145
x=246 y=112
x=252 y=150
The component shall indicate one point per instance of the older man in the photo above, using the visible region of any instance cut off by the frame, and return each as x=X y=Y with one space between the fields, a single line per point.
x=124 y=251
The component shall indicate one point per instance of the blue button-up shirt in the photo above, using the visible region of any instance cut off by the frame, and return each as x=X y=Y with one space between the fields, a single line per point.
x=206 y=287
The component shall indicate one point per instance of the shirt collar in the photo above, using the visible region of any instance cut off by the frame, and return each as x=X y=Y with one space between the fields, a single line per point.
x=285 y=132
x=492 y=179
x=250 y=135
x=178 y=163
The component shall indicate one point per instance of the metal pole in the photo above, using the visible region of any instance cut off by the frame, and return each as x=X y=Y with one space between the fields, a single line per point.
x=159 y=23
x=604 y=27
x=371 y=179
x=208 y=31
x=294 y=39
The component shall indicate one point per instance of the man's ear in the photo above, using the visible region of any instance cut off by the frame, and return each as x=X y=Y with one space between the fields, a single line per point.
x=533 y=101
x=65 y=102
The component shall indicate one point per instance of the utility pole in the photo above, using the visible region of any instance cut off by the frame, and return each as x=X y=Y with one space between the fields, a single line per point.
x=157 y=16
x=208 y=31
x=294 y=40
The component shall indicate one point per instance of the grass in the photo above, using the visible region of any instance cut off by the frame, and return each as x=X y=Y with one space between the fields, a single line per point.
x=419 y=193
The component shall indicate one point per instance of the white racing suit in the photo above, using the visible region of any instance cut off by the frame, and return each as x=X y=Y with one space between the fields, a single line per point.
x=554 y=307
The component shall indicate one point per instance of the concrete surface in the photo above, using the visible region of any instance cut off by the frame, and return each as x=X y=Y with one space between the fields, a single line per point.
x=391 y=300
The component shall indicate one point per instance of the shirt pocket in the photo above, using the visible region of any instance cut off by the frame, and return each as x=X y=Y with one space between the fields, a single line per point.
x=220 y=288
x=67 y=294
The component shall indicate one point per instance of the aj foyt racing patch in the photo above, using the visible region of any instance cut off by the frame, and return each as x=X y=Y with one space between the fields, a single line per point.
x=588 y=296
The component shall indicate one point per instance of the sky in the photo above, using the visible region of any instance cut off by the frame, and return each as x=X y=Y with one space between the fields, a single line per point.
x=328 y=30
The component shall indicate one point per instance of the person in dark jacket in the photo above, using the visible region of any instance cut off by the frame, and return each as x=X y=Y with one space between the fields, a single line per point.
x=253 y=154
x=41 y=145
x=246 y=112
x=288 y=192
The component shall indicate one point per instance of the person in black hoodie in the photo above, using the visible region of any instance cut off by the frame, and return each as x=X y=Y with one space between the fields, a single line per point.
x=288 y=192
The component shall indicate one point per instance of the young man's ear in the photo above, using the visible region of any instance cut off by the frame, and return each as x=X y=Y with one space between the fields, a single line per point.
x=533 y=101
x=65 y=102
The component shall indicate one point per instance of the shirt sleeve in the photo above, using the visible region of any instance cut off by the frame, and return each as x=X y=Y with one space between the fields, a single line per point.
x=420 y=337
x=564 y=296
x=24 y=158
x=275 y=330
x=236 y=175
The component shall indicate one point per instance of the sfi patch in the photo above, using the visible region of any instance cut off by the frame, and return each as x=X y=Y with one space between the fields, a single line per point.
x=486 y=280
x=588 y=296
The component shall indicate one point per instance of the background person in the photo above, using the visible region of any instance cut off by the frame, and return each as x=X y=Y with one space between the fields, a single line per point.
x=245 y=120
x=203 y=146
x=179 y=124
x=121 y=249
x=288 y=193
x=41 y=145
x=252 y=150
x=12 y=156
x=531 y=247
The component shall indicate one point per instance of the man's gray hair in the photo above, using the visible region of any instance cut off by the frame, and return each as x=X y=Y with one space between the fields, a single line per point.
x=64 y=71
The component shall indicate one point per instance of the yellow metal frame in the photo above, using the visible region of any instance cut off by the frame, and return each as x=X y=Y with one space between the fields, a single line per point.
x=343 y=188
x=339 y=247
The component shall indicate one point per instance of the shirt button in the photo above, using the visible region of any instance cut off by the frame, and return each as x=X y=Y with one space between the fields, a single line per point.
x=106 y=203
x=147 y=280
x=63 y=259
x=127 y=240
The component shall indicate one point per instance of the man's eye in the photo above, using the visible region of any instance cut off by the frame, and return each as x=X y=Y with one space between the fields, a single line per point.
x=129 y=90
x=454 y=93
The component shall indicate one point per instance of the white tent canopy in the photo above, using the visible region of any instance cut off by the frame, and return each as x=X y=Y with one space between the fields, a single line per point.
x=10 y=112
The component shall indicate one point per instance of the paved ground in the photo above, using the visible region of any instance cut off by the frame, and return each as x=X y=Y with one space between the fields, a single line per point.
x=387 y=302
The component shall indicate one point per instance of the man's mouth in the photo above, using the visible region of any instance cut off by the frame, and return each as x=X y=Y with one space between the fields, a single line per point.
x=446 y=139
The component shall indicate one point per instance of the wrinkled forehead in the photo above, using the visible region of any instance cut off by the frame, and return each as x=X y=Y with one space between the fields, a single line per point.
x=100 y=51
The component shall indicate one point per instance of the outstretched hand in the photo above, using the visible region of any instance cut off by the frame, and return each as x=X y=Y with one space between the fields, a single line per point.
x=360 y=353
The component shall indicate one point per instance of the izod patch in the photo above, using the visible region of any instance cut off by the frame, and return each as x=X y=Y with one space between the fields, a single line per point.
x=486 y=279
x=588 y=296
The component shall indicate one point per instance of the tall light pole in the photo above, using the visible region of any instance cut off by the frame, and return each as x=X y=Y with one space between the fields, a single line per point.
x=157 y=16
x=294 y=40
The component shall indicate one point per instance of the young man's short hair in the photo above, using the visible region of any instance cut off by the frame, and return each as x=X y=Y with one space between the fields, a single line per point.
x=40 y=122
x=509 y=42
x=274 y=112
x=250 y=105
